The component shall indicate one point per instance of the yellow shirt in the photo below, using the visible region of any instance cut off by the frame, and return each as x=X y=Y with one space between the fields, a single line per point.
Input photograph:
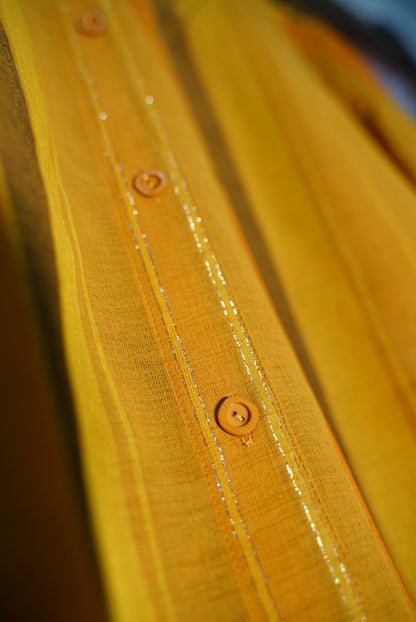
x=208 y=261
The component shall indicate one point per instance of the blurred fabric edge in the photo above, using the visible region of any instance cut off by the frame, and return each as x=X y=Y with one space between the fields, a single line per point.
x=382 y=31
x=48 y=561
x=360 y=76
x=47 y=565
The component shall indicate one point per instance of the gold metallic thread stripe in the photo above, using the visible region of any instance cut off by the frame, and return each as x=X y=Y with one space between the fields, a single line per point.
x=323 y=538
x=222 y=478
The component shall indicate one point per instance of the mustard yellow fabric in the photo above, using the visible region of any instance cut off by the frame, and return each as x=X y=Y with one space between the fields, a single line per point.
x=278 y=265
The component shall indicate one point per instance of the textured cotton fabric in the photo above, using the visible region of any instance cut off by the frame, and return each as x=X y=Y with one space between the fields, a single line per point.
x=278 y=264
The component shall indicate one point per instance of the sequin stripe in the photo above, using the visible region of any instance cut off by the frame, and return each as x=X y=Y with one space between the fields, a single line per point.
x=330 y=555
x=138 y=472
x=222 y=478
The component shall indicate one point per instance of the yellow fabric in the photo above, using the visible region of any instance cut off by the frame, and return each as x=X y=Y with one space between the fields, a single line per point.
x=349 y=76
x=166 y=307
x=340 y=225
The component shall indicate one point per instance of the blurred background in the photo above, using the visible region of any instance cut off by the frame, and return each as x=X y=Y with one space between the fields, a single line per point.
x=384 y=31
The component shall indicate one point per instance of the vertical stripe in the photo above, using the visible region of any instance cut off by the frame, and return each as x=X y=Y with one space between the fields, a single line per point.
x=52 y=415
x=221 y=159
x=272 y=409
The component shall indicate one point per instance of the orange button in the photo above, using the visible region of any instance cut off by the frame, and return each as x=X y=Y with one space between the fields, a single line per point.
x=92 y=24
x=237 y=416
x=150 y=182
